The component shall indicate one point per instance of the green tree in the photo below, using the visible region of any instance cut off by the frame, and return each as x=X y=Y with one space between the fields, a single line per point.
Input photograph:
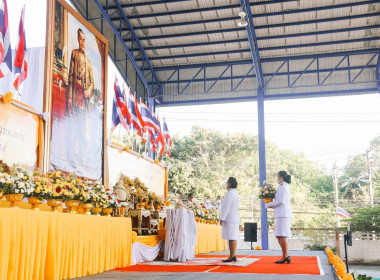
x=366 y=219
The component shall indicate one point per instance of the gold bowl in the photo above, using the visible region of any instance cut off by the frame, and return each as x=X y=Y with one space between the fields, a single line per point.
x=14 y=199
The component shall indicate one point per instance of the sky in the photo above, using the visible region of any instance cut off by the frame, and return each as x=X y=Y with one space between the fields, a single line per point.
x=326 y=130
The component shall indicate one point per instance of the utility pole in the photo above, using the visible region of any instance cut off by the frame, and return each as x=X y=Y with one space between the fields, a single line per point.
x=335 y=170
x=369 y=164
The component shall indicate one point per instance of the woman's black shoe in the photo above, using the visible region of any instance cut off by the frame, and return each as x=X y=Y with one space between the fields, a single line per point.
x=234 y=259
x=286 y=260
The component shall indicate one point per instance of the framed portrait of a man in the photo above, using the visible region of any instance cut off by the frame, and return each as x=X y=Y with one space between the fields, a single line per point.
x=75 y=79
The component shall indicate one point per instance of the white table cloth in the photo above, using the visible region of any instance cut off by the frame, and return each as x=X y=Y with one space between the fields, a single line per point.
x=181 y=235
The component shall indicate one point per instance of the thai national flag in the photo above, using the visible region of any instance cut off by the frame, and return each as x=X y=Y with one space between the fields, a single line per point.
x=142 y=123
x=5 y=41
x=147 y=117
x=160 y=142
x=21 y=67
x=167 y=137
x=134 y=119
x=341 y=212
x=128 y=118
x=150 y=125
x=119 y=108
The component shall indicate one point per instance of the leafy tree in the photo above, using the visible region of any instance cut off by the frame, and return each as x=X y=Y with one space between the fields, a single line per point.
x=366 y=219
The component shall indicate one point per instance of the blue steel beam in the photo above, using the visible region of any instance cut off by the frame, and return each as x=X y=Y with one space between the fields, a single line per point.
x=238 y=40
x=272 y=75
x=351 y=41
x=262 y=167
x=268 y=2
x=303 y=72
x=365 y=67
x=253 y=43
x=257 y=27
x=188 y=84
x=378 y=70
x=146 y=3
x=269 y=59
x=117 y=34
x=285 y=12
x=220 y=76
x=333 y=70
x=273 y=97
x=142 y=51
x=274 y=37
x=167 y=80
x=243 y=78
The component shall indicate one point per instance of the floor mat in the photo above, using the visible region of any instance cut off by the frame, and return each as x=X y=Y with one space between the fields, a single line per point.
x=206 y=261
x=260 y=265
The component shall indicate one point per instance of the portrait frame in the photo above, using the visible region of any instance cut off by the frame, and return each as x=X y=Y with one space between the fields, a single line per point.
x=50 y=57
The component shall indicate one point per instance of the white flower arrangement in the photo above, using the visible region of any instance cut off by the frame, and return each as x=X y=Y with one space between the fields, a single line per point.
x=18 y=181
x=113 y=200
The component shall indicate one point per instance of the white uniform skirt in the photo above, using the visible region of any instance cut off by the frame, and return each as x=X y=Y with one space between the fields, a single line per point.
x=282 y=227
x=230 y=230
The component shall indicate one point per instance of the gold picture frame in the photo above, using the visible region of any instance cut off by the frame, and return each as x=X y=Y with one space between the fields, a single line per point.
x=81 y=91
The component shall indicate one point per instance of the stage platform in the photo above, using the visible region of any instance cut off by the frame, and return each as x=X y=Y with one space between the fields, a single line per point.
x=306 y=265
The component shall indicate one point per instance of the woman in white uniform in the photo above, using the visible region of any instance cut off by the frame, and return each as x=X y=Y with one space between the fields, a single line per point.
x=282 y=214
x=229 y=218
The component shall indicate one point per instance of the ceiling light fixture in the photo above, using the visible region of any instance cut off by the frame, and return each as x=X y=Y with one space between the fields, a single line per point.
x=242 y=22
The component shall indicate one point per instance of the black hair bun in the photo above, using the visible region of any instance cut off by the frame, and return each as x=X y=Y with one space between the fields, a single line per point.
x=233 y=182
x=288 y=179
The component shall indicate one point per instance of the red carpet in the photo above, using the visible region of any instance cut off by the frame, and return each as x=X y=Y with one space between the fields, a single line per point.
x=265 y=265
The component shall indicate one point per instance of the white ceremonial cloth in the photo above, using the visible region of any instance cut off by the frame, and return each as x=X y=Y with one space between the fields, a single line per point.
x=181 y=235
x=142 y=253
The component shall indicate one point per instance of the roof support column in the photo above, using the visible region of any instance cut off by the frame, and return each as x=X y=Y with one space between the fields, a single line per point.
x=253 y=43
x=378 y=70
x=262 y=166
x=152 y=109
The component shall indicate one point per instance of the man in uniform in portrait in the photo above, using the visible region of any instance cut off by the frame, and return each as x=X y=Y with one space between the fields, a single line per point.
x=79 y=109
x=81 y=79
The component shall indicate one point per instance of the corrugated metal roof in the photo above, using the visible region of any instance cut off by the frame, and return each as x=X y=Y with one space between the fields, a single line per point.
x=185 y=34
x=151 y=15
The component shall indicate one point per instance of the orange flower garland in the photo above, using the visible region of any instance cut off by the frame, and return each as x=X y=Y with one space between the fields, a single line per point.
x=8 y=97
x=339 y=265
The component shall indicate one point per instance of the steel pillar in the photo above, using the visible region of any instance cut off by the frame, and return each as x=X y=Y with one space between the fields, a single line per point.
x=152 y=108
x=262 y=166
x=378 y=71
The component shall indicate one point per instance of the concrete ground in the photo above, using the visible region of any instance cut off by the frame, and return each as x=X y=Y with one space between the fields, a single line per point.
x=328 y=273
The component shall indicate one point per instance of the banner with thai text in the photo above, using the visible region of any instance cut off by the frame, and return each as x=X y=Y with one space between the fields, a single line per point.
x=18 y=135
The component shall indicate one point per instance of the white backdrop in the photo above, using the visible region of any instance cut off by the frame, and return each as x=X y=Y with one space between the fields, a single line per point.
x=151 y=174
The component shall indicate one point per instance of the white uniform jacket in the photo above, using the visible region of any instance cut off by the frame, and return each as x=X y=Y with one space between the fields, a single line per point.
x=281 y=205
x=229 y=210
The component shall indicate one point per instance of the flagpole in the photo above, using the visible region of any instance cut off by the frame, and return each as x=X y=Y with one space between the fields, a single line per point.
x=118 y=139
